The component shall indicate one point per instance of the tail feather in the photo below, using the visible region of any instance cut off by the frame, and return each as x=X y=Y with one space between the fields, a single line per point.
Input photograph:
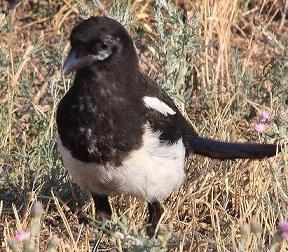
x=223 y=150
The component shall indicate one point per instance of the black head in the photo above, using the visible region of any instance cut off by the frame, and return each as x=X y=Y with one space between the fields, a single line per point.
x=99 y=41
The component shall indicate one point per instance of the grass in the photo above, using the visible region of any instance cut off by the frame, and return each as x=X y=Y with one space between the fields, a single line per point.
x=224 y=63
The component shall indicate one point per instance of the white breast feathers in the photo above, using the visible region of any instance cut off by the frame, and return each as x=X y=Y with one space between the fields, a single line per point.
x=152 y=172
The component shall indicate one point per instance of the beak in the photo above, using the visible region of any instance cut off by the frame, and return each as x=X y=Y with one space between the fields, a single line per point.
x=74 y=62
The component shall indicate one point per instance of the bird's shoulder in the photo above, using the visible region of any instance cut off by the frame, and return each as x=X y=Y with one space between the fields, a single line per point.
x=162 y=113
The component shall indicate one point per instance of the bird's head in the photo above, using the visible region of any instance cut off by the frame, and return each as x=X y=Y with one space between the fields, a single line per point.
x=99 y=41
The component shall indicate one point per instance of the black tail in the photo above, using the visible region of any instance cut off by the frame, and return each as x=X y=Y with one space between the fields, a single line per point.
x=222 y=150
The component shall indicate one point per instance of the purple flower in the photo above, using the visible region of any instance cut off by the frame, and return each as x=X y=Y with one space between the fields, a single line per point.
x=259 y=127
x=283 y=225
x=264 y=117
x=282 y=231
x=22 y=235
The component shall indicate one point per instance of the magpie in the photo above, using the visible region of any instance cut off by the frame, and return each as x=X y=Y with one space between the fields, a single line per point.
x=119 y=132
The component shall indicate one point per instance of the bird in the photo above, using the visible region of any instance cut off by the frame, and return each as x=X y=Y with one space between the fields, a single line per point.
x=119 y=132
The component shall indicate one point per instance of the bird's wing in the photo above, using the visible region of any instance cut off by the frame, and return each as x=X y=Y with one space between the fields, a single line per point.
x=164 y=116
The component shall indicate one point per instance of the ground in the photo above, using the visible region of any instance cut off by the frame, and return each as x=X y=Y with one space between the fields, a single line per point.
x=224 y=63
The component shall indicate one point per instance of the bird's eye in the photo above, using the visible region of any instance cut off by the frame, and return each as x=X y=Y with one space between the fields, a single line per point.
x=103 y=46
x=103 y=50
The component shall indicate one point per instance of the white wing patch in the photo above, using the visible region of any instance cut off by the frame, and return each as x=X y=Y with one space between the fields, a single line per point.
x=155 y=103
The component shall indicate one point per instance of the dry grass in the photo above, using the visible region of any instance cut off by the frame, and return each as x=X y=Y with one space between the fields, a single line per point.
x=238 y=68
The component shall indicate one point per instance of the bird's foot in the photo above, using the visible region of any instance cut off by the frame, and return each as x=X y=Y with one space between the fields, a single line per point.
x=103 y=215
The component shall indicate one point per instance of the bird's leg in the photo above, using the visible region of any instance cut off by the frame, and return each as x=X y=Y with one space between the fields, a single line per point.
x=155 y=211
x=102 y=205
x=103 y=211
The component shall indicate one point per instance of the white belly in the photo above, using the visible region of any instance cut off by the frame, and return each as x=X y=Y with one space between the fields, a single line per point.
x=151 y=172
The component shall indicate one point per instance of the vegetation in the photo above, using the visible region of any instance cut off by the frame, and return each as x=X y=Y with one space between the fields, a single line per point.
x=225 y=64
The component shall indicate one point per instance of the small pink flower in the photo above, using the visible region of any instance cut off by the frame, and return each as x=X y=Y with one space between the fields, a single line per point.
x=264 y=116
x=259 y=127
x=284 y=236
x=282 y=116
x=282 y=231
x=283 y=225
x=22 y=235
